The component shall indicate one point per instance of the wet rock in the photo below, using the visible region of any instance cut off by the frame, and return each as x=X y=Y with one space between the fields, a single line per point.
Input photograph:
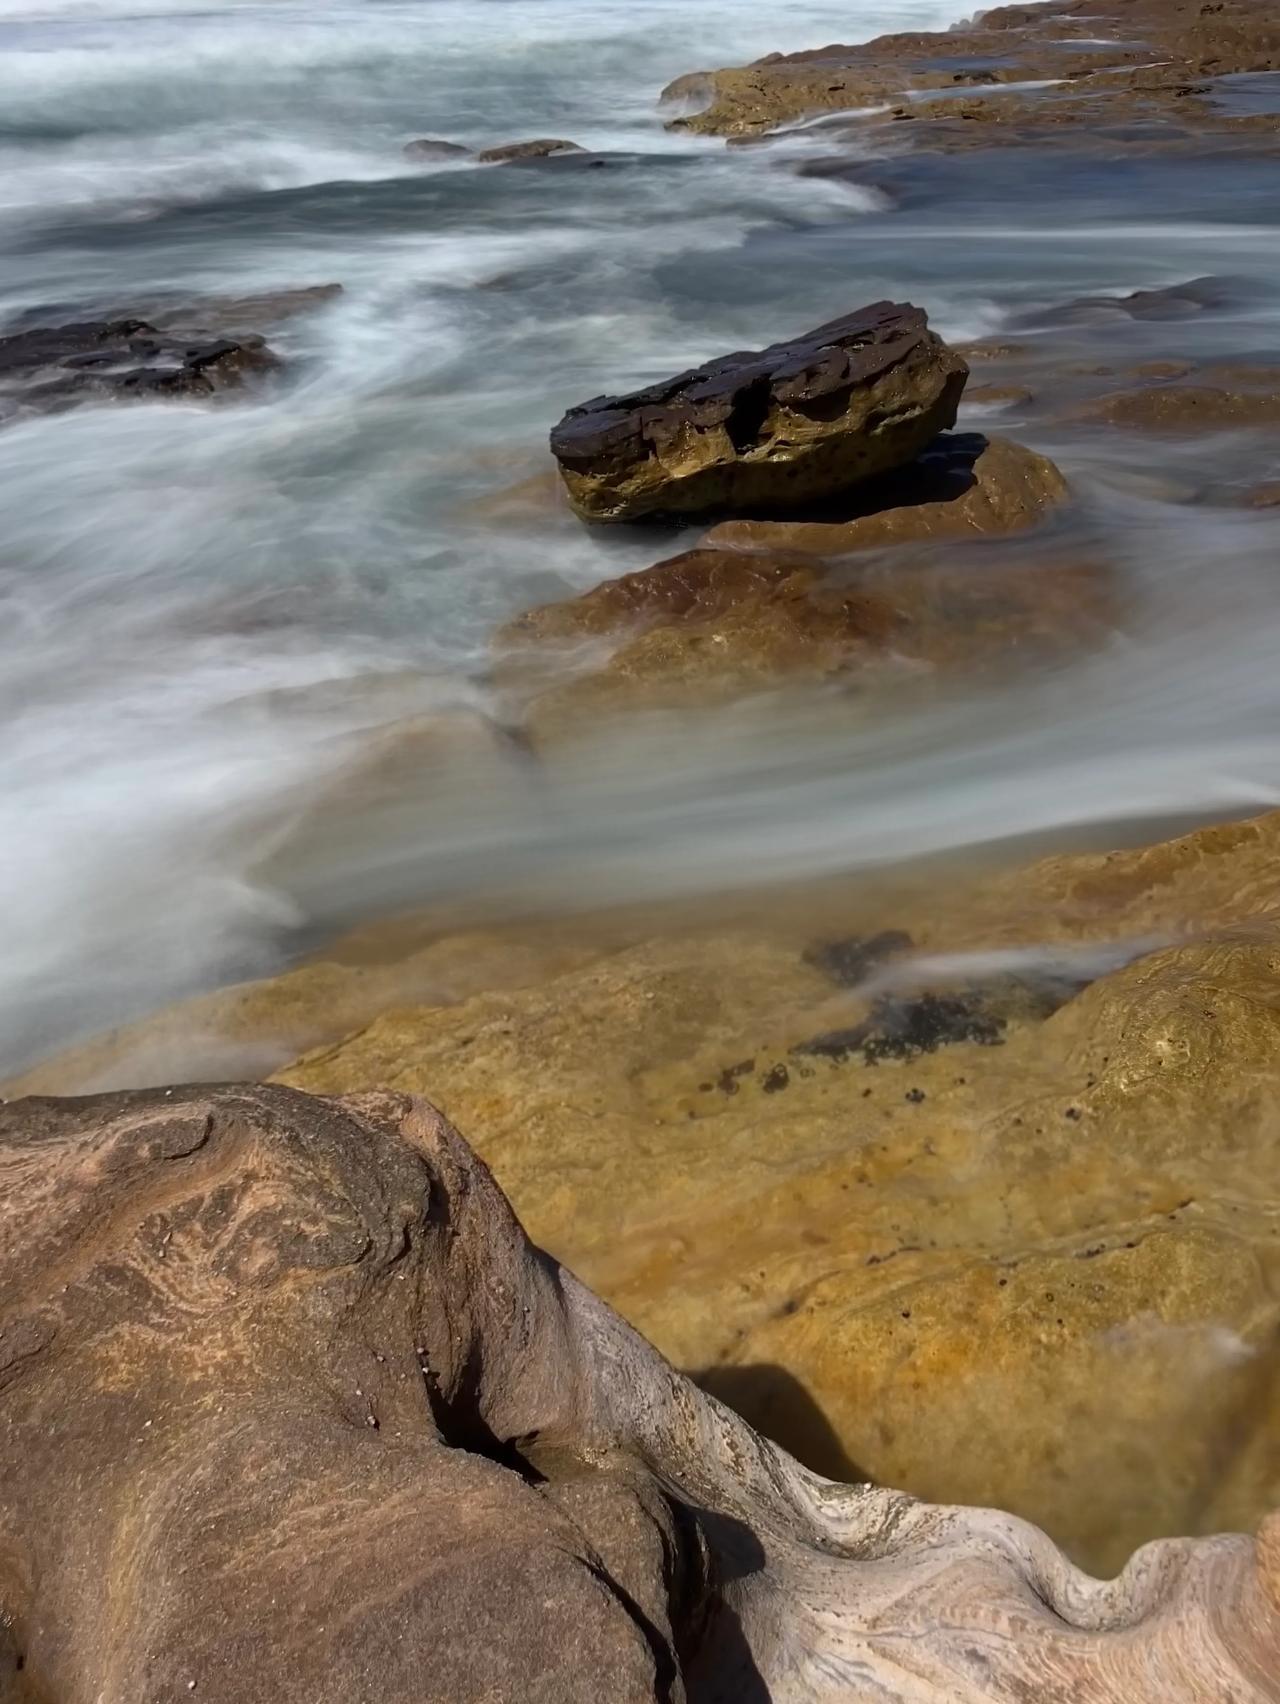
x=50 y=368
x=766 y=430
x=720 y=622
x=962 y=484
x=538 y=149
x=1173 y=302
x=849 y=962
x=239 y=314
x=434 y=148
x=1163 y=67
x=1183 y=408
x=901 y=1029
x=998 y=396
x=1149 y=1088
x=294 y=1364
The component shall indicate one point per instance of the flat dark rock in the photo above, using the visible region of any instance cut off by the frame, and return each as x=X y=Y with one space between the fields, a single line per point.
x=49 y=368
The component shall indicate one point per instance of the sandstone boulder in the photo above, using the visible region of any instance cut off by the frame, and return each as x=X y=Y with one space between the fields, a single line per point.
x=798 y=421
x=293 y=1411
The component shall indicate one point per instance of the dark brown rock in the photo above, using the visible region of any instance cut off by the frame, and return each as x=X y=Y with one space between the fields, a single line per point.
x=769 y=429
x=56 y=367
x=538 y=149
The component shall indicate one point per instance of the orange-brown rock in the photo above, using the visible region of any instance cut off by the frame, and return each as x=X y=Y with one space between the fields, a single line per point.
x=911 y=1188
x=963 y=484
x=1171 y=51
x=1184 y=408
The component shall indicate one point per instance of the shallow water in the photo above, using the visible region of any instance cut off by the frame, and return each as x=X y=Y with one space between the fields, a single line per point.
x=203 y=605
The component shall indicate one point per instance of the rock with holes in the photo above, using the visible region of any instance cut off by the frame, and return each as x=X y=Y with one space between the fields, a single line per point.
x=293 y=1411
x=767 y=430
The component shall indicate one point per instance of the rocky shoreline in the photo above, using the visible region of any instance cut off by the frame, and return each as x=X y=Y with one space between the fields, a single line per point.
x=959 y=1180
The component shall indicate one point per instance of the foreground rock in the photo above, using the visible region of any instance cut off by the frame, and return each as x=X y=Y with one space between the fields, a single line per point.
x=917 y=1185
x=51 y=368
x=789 y=424
x=294 y=1411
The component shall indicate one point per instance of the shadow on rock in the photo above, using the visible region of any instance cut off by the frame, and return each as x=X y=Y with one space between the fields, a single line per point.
x=775 y=1402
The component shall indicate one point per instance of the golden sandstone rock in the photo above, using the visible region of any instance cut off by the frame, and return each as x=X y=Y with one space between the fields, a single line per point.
x=1010 y=1256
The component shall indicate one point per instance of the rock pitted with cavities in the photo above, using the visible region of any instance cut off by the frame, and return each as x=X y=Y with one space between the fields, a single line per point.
x=766 y=430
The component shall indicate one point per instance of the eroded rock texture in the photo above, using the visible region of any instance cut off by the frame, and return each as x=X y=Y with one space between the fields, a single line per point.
x=292 y=1410
x=55 y=367
x=800 y=420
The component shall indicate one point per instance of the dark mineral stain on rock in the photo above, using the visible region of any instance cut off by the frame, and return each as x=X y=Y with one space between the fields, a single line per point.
x=778 y=1078
x=850 y=961
x=900 y=1028
x=727 y=1081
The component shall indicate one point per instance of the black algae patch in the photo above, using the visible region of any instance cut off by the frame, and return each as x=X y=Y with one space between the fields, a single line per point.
x=727 y=1081
x=851 y=961
x=899 y=1028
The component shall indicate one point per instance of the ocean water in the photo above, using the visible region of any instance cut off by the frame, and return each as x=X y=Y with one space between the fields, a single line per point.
x=203 y=610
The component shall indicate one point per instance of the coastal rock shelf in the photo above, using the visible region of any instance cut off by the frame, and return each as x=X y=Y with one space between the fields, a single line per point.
x=799 y=421
x=294 y=1411
x=975 y=76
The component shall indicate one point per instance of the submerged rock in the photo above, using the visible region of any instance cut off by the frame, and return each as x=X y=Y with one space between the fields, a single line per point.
x=49 y=368
x=801 y=420
x=1184 y=408
x=538 y=149
x=965 y=483
x=433 y=148
x=1158 y=71
x=294 y=1411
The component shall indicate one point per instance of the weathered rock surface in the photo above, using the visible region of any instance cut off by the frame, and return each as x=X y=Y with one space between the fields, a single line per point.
x=1162 y=70
x=538 y=149
x=763 y=602
x=1184 y=408
x=294 y=1411
x=718 y=622
x=822 y=1183
x=56 y=367
x=800 y=420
